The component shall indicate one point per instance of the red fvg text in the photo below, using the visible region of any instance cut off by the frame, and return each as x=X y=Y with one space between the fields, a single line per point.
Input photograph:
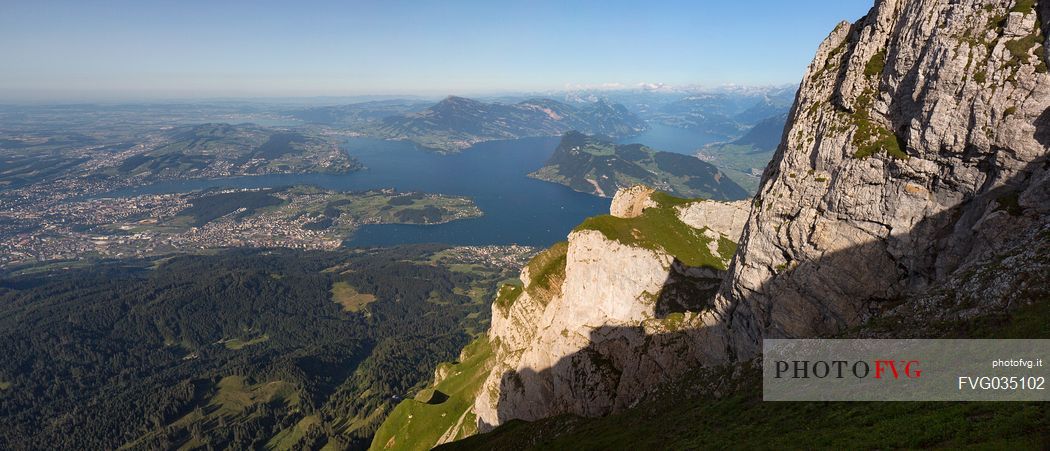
x=838 y=369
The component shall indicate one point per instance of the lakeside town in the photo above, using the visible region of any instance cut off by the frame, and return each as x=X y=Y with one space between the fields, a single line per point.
x=151 y=224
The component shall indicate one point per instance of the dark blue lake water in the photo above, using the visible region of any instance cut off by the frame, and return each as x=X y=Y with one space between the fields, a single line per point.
x=518 y=209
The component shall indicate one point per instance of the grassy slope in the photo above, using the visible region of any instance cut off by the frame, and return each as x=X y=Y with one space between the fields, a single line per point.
x=414 y=425
x=352 y=301
x=288 y=438
x=546 y=274
x=743 y=421
x=507 y=294
x=547 y=271
x=660 y=229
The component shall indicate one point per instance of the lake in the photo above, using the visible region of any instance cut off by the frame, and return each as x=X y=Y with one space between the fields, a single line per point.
x=673 y=139
x=517 y=209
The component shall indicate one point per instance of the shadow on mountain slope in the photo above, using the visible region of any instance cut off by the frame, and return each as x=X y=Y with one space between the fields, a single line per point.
x=821 y=297
x=721 y=407
x=688 y=289
x=865 y=276
x=1042 y=127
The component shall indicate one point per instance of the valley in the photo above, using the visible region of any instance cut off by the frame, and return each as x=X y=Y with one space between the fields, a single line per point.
x=746 y=157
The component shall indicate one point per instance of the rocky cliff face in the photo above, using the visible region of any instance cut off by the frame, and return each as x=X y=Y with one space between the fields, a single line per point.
x=592 y=334
x=916 y=148
x=917 y=145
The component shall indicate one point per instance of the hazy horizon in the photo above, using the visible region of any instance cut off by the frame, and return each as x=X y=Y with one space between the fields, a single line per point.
x=321 y=99
x=120 y=51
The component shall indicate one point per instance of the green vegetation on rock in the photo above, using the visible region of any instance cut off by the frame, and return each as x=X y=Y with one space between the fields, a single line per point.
x=659 y=229
x=417 y=424
x=871 y=137
x=1021 y=50
x=547 y=272
x=980 y=76
x=876 y=64
x=1023 y=6
x=508 y=293
x=673 y=321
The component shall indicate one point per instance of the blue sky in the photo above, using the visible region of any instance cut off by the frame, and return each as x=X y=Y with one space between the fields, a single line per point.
x=79 y=50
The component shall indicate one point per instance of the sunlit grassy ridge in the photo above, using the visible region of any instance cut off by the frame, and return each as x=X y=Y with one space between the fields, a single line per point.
x=418 y=425
x=508 y=293
x=658 y=228
x=421 y=422
x=547 y=272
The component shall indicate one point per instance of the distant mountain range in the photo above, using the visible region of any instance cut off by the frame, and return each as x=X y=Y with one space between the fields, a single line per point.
x=456 y=123
x=766 y=134
x=223 y=150
x=358 y=114
x=725 y=115
x=597 y=166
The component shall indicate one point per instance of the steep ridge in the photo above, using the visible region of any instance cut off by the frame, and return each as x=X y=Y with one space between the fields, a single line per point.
x=593 y=345
x=915 y=152
x=917 y=145
x=765 y=134
x=592 y=322
x=1007 y=296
